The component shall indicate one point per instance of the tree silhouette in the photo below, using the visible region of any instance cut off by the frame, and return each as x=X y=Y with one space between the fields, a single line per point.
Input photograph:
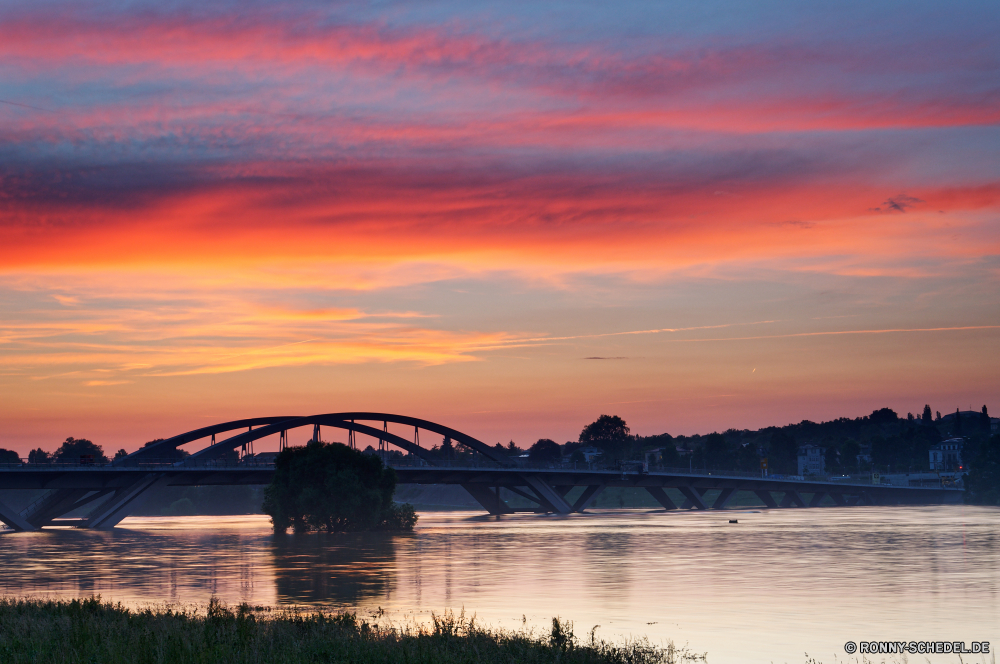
x=717 y=455
x=39 y=455
x=784 y=453
x=9 y=456
x=927 y=416
x=545 y=450
x=982 y=484
x=329 y=486
x=75 y=450
x=610 y=434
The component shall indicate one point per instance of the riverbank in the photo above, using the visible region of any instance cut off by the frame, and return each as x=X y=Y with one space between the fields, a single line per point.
x=94 y=631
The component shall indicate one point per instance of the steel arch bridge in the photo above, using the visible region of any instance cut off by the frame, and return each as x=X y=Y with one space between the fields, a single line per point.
x=114 y=490
x=127 y=480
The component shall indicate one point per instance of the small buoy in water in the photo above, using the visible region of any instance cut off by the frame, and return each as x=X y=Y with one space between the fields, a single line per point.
x=733 y=521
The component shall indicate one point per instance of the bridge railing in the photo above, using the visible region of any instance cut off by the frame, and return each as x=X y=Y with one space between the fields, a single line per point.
x=630 y=468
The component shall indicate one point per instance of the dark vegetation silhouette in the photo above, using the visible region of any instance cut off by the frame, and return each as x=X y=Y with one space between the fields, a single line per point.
x=610 y=434
x=79 y=450
x=545 y=450
x=330 y=487
x=90 y=630
x=982 y=483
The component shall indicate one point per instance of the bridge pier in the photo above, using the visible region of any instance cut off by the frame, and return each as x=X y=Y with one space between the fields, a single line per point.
x=817 y=498
x=54 y=504
x=110 y=513
x=660 y=496
x=547 y=495
x=693 y=498
x=724 y=497
x=792 y=498
x=490 y=500
x=13 y=519
x=588 y=497
x=766 y=498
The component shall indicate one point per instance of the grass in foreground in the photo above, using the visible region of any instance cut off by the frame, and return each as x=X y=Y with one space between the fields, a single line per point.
x=93 y=631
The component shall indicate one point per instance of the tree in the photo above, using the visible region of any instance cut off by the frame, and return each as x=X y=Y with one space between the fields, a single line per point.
x=849 y=453
x=9 y=456
x=329 y=486
x=447 y=448
x=747 y=457
x=77 y=450
x=927 y=417
x=958 y=422
x=545 y=450
x=610 y=434
x=784 y=454
x=832 y=458
x=39 y=455
x=121 y=454
x=982 y=484
x=984 y=421
x=668 y=456
x=884 y=416
x=513 y=449
x=717 y=454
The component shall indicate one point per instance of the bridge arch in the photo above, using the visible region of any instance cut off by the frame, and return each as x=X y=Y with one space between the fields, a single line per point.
x=348 y=420
x=267 y=426
x=151 y=451
x=247 y=437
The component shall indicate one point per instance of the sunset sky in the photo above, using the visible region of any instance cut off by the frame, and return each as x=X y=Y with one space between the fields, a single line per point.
x=509 y=218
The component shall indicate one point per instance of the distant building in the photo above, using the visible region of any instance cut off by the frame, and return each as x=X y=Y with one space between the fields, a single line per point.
x=589 y=452
x=946 y=455
x=812 y=460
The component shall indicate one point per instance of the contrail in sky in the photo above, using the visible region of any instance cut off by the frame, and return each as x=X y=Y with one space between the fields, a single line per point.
x=14 y=103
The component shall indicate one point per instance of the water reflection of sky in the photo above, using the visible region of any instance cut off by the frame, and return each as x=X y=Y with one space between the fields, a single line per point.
x=770 y=588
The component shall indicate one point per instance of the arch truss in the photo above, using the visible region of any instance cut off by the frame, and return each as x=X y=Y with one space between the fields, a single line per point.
x=116 y=501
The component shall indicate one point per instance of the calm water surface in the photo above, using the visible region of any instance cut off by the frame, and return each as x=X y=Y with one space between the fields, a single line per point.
x=771 y=588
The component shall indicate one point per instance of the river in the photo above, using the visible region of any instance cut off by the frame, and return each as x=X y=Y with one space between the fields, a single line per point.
x=774 y=586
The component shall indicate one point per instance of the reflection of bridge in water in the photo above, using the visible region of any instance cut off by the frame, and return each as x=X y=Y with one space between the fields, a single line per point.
x=113 y=490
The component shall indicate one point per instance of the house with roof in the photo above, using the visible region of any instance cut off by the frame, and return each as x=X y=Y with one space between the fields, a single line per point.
x=947 y=455
x=812 y=460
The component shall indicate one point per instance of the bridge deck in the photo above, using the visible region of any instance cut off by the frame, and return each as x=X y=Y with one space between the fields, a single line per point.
x=70 y=487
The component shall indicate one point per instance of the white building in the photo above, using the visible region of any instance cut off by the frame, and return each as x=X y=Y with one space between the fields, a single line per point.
x=946 y=455
x=812 y=460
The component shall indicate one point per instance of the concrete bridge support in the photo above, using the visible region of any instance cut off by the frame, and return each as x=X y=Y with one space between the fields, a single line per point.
x=489 y=498
x=54 y=504
x=817 y=499
x=110 y=513
x=766 y=498
x=660 y=496
x=792 y=498
x=724 y=497
x=588 y=497
x=693 y=498
x=13 y=518
x=548 y=496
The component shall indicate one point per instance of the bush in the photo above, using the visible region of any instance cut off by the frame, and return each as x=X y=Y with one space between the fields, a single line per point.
x=329 y=486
